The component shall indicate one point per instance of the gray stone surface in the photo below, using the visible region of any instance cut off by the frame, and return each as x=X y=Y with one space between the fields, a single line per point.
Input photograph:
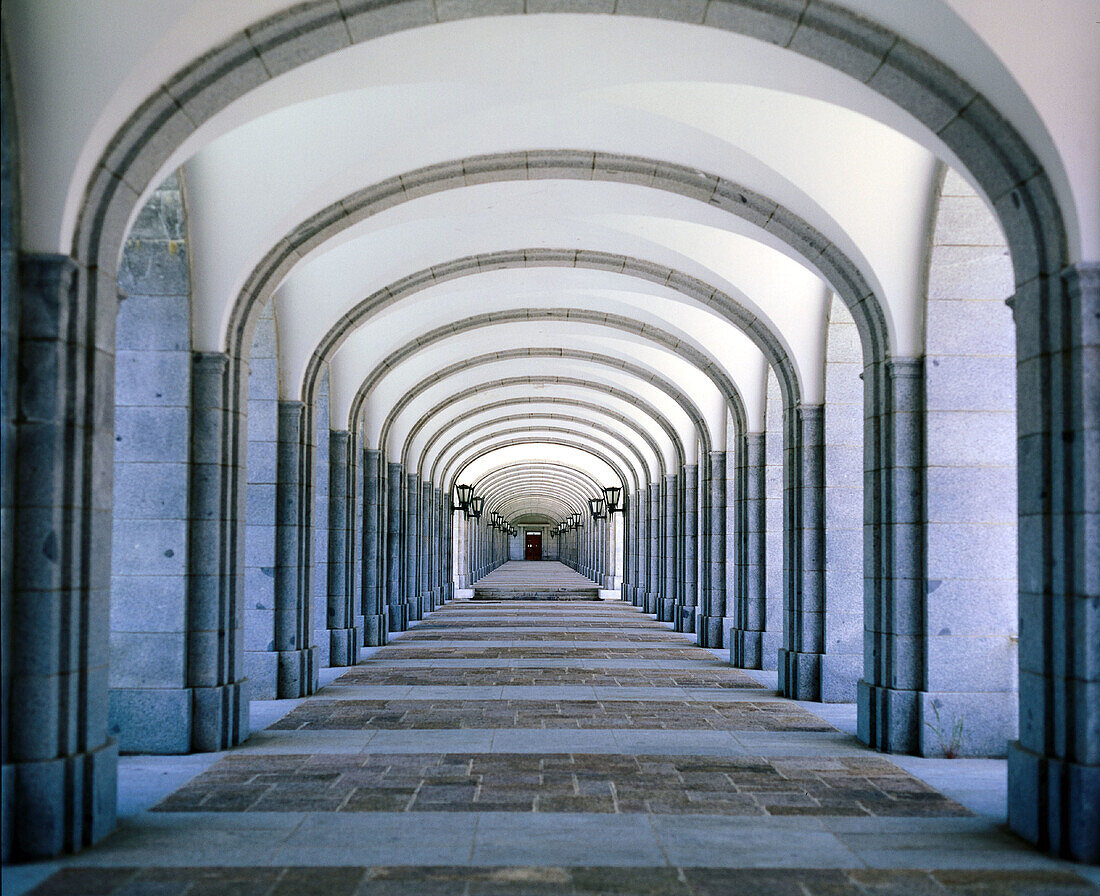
x=259 y=546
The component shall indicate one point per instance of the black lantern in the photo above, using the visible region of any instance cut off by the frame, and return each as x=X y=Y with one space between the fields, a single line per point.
x=595 y=506
x=611 y=495
x=575 y=520
x=474 y=508
x=463 y=493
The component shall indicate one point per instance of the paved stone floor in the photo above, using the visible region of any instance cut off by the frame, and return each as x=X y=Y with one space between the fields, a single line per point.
x=582 y=748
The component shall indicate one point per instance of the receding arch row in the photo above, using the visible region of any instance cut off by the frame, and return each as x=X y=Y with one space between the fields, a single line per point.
x=454 y=470
x=534 y=470
x=842 y=274
x=472 y=439
x=770 y=344
x=570 y=489
x=551 y=380
x=552 y=400
x=690 y=409
x=633 y=459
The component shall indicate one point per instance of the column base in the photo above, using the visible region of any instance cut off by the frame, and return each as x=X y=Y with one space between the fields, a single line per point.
x=651 y=602
x=343 y=646
x=415 y=608
x=820 y=677
x=375 y=631
x=1054 y=804
x=709 y=629
x=685 y=619
x=297 y=673
x=800 y=675
x=399 y=617
x=436 y=598
x=666 y=610
x=220 y=716
x=755 y=650
x=887 y=719
x=152 y=721
x=58 y=805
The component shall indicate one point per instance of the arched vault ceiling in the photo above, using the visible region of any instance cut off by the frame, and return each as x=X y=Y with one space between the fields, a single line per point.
x=662 y=352
x=604 y=445
x=783 y=295
x=90 y=66
x=558 y=378
x=627 y=442
x=596 y=470
x=642 y=443
x=678 y=231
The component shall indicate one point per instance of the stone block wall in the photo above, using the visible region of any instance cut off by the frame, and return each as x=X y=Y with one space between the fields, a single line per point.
x=260 y=658
x=773 y=524
x=970 y=478
x=843 y=507
x=150 y=707
x=319 y=578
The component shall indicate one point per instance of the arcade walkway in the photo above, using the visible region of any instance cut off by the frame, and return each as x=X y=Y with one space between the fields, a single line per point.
x=536 y=580
x=544 y=748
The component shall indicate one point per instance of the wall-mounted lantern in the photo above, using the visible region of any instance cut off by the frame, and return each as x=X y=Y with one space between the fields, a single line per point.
x=473 y=510
x=595 y=506
x=611 y=495
x=463 y=494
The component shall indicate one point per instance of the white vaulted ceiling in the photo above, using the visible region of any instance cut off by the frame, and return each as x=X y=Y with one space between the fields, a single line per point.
x=558 y=341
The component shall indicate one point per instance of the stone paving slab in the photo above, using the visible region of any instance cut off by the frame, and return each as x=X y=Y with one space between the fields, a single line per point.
x=558 y=881
x=599 y=676
x=591 y=783
x=367 y=715
x=560 y=637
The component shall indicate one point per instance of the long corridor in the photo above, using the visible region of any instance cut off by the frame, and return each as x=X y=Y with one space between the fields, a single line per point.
x=543 y=748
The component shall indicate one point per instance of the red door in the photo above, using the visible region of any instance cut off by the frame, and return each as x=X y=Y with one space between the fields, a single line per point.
x=532 y=546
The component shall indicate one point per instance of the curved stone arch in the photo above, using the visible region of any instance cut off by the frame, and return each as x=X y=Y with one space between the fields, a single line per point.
x=646 y=408
x=610 y=448
x=554 y=440
x=681 y=398
x=770 y=344
x=638 y=464
x=988 y=146
x=550 y=471
x=708 y=366
x=580 y=486
x=842 y=273
x=557 y=400
x=1050 y=298
x=522 y=315
x=517 y=486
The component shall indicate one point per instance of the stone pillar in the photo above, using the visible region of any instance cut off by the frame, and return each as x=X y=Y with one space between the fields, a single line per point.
x=343 y=638
x=893 y=665
x=751 y=639
x=666 y=609
x=414 y=596
x=395 y=573
x=150 y=708
x=374 y=612
x=639 y=552
x=628 y=549
x=1054 y=767
x=297 y=659
x=215 y=649
x=800 y=660
x=714 y=603
x=653 y=542
x=685 y=622
x=59 y=769
x=438 y=597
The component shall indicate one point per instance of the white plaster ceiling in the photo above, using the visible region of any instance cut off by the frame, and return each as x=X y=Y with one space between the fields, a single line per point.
x=854 y=166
